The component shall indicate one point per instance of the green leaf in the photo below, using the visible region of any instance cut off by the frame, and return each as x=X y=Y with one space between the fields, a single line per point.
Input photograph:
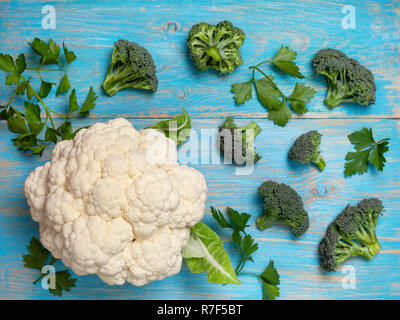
x=193 y=249
x=69 y=55
x=25 y=141
x=73 y=103
x=12 y=79
x=48 y=51
x=51 y=135
x=20 y=90
x=242 y=91
x=177 y=128
x=89 y=103
x=300 y=96
x=220 y=218
x=38 y=150
x=238 y=219
x=280 y=116
x=65 y=131
x=205 y=253
x=269 y=292
x=6 y=113
x=17 y=124
x=270 y=281
x=64 y=85
x=37 y=257
x=368 y=152
x=32 y=117
x=20 y=63
x=45 y=88
x=284 y=61
x=7 y=63
x=79 y=129
x=54 y=48
x=248 y=247
x=236 y=237
x=64 y=282
x=39 y=46
x=357 y=162
x=267 y=94
x=376 y=157
x=29 y=92
x=298 y=107
x=362 y=139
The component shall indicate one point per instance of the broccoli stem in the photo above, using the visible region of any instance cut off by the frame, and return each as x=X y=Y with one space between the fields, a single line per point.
x=265 y=221
x=366 y=249
x=369 y=241
x=333 y=100
x=320 y=162
x=113 y=87
x=335 y=96
x=374 y=249
x=249 y=133
x=213 y=52
x=369 y=251
x=251 y=126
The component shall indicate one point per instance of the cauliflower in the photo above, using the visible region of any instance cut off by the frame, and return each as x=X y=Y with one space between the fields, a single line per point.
x=115 y=202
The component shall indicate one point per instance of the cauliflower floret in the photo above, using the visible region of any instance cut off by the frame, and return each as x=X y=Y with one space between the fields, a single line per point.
x=157 y=257
x=115 y=202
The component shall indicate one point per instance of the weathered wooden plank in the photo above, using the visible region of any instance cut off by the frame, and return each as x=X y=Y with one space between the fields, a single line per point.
x=325 y=195
x=307 y=26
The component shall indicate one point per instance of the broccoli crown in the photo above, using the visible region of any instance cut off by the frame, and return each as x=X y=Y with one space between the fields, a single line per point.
x=216 y=46
x=348 y=81
x=282 y=204
x=237 y=143
x=352 y=233
x=131 y=66
x=306 y=149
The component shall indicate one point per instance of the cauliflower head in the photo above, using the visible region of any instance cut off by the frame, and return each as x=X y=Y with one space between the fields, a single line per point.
x=114 y=201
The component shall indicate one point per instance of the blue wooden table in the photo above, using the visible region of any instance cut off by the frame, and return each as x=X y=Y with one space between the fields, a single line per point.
x=90 y=28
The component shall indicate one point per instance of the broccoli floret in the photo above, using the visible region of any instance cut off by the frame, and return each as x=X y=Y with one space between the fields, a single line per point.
x=306 y=149
x=237 y=143
x=352 y=233
x=131 y=66
x=216 y=46
x=282 y=204
x=348 y=81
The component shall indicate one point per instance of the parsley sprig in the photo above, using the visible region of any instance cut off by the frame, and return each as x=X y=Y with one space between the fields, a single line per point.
x=29 y=123
x=368 y=152
x=39 y=257
x=237 y=222
x=268 y=92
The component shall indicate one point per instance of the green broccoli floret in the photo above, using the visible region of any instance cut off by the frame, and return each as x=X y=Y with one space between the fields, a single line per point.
x=352 y=233
x=306 y=149
x=131 y=66
x=348 y=81
x=216 y=46
x=237 y=143
x=282 y=204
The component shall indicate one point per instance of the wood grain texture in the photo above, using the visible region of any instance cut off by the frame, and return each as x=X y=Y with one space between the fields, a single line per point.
x=90 y=28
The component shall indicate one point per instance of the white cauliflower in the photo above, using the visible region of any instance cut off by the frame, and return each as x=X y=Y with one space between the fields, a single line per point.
x=114 y=201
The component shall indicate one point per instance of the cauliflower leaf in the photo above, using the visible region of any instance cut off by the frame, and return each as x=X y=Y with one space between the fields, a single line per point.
x=204 y=252
x=177 y=128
